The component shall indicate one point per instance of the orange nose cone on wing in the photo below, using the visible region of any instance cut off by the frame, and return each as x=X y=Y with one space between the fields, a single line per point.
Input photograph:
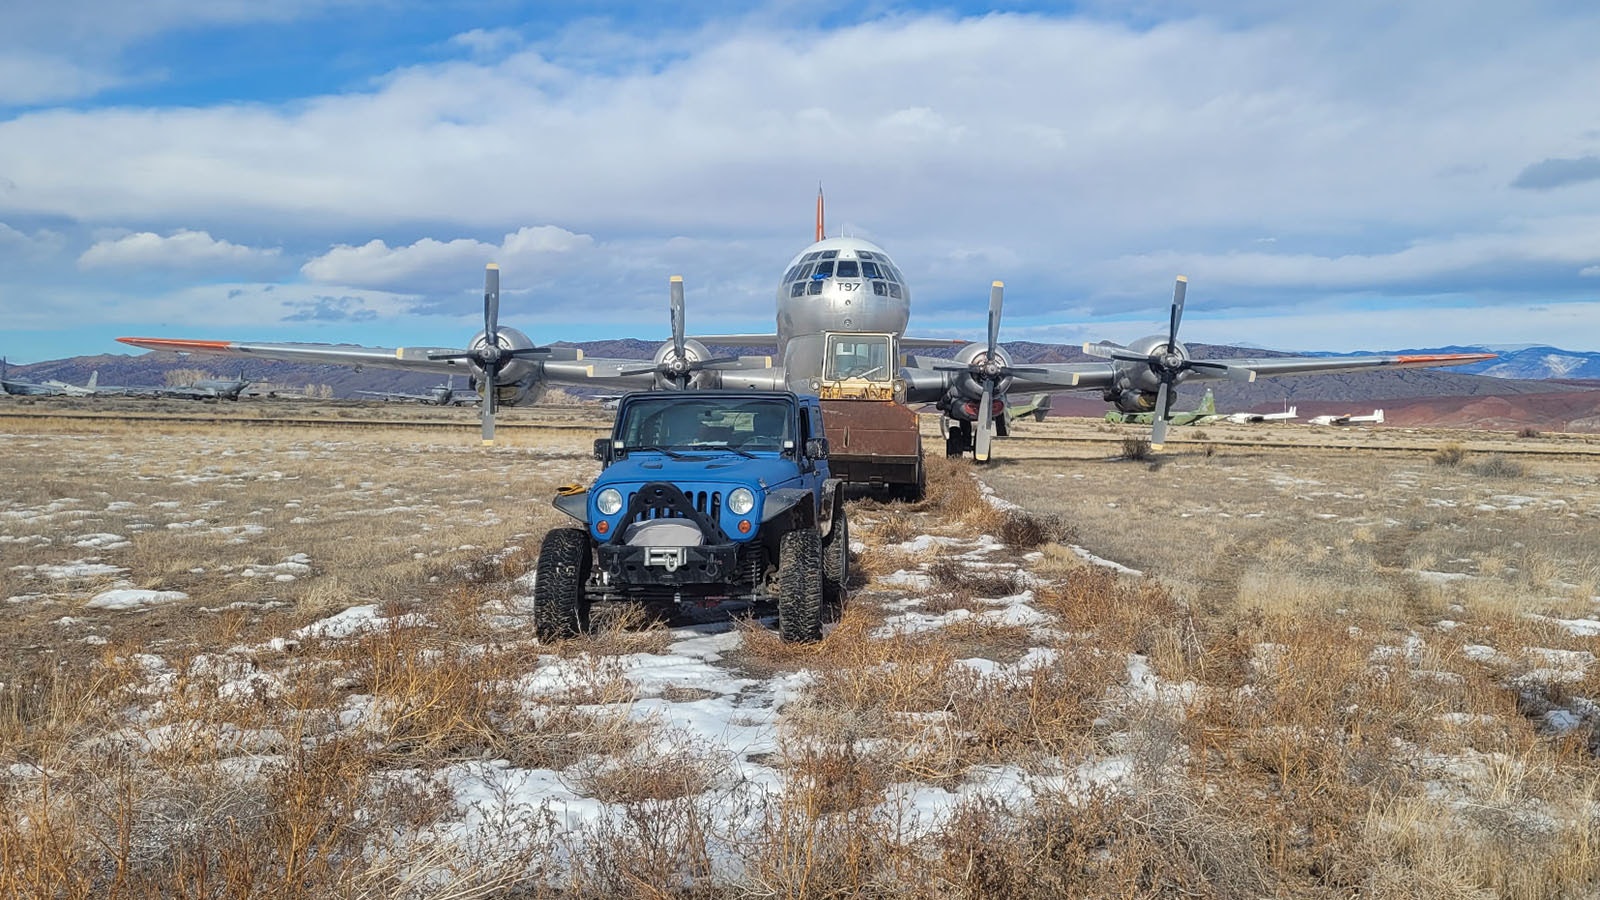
x=174 y=344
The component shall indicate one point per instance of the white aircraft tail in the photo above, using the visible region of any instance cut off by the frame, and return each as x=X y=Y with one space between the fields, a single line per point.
x=94 y=379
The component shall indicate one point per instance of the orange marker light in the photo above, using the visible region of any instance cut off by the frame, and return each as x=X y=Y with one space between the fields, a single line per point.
x=602 y=526
x=744 y=526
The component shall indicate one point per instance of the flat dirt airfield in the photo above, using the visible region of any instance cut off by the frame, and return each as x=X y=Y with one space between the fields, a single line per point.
x=284 y=650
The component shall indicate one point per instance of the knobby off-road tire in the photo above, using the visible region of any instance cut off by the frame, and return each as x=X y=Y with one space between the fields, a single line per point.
x=836 y=565
x=560 y=606
x=800 y=586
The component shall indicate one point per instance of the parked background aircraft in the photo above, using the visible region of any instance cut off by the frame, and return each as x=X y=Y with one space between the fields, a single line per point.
x=1205 y=412
x=1373 y=418
x=1245 y=418
x=842 y=309
x=441 y=395
x=47 y=388
x=207 y=389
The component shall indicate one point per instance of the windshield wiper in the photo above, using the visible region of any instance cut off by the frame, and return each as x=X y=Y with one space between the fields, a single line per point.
x=672 y=453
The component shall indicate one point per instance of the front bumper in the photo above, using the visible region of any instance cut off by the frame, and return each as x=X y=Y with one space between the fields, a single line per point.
x=703 y=570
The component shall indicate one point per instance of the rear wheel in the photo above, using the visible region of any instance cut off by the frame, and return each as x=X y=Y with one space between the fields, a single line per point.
x=800 y=586
x=560 y=603
x=836 y=563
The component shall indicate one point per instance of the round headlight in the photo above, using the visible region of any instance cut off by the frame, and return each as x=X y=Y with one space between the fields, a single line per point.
x=741 y=501
x=609 y=502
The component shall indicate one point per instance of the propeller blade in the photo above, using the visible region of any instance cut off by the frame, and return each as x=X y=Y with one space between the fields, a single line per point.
x=1042 y=376
x=996 y=296
x=712 y=363
x=526 y=352
x=489 y=374
x=644 y=371
x=491 y=304
x=1158 y=427
x=454 y=354
x=677 y=315
x=1233 y=373
x=1179 y=289
x=985 y=430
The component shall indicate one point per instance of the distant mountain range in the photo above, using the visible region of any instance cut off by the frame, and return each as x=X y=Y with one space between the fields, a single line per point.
x=1523 y=372
x=1529 y=362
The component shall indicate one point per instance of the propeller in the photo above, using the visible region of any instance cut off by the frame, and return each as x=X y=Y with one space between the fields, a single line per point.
x=678 y=366
x=991 y=369
x=1168 y=362
x=490 y=357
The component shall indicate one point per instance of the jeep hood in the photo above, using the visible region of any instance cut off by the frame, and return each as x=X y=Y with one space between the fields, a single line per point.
x=698 y=467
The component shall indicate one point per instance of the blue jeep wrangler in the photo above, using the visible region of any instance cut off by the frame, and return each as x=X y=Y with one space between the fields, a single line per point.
x=703 y=495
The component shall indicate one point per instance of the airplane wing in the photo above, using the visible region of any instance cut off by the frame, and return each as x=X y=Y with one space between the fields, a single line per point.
x=1101 y=375
x=735 y=340
x=769 y=340
x=409 y=358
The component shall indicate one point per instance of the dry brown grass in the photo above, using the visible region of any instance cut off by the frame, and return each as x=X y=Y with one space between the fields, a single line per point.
x=1295 y=702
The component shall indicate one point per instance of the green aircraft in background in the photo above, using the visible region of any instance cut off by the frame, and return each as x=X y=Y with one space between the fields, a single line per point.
x=1205 y=412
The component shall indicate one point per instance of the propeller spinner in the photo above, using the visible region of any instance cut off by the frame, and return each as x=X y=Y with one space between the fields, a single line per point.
x=1168 y=362
x=488 y=356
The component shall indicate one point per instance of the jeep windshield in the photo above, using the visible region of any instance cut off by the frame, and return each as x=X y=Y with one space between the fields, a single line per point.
x=679 y=421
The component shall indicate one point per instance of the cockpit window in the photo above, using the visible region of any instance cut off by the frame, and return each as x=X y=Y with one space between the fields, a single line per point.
x=858 y=356
x=803 y=273
x=789 y=275
x=870 y=269
x=824 y=270
x=829 y=254
x=812 y=256
x=847 y=268
x=864 y=254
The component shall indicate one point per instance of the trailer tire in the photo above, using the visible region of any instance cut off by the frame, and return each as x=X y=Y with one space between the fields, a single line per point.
x=560 y=598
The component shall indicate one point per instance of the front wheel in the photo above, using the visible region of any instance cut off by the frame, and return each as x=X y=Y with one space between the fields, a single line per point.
x=800 y=586
x=560 y=600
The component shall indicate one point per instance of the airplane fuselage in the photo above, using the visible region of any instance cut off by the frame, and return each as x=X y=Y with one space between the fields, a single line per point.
x=841 y=287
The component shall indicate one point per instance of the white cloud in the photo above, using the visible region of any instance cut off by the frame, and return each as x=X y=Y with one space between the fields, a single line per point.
x=183 y=249
x=39 y=244
x=429 y=264
x=1081 y=159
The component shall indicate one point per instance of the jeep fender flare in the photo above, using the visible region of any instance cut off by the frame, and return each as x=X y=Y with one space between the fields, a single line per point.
x=575 y=505
x=796 y=505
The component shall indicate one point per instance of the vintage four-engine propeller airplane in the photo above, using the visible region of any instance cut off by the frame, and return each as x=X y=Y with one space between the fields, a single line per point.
x=842 y=311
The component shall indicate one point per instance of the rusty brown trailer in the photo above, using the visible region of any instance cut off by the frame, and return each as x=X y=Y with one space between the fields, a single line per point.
x=875 y=443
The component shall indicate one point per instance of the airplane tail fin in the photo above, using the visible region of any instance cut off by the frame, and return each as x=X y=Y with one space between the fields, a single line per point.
x=94 y=379
x=1208 y=404
x=1294 y=412
x=821 y=233
x=1377 y=416
x=1041 y=407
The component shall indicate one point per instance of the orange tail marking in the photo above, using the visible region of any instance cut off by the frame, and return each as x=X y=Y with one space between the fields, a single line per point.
x=820 y=231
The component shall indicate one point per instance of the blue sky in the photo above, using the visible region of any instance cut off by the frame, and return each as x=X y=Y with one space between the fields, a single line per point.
x=1373 y=176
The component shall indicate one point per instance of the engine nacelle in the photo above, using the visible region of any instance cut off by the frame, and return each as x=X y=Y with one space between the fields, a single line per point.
x=512 y=371
x=1136 y=383
x=976 y=357
x=666 y=359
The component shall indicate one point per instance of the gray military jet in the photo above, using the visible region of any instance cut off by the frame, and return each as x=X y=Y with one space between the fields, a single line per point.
x=206 y=389
x=47 y=388
x=446 y=394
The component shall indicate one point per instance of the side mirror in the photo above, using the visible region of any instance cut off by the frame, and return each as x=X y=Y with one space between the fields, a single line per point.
x=817 y=448
x=602 y=449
